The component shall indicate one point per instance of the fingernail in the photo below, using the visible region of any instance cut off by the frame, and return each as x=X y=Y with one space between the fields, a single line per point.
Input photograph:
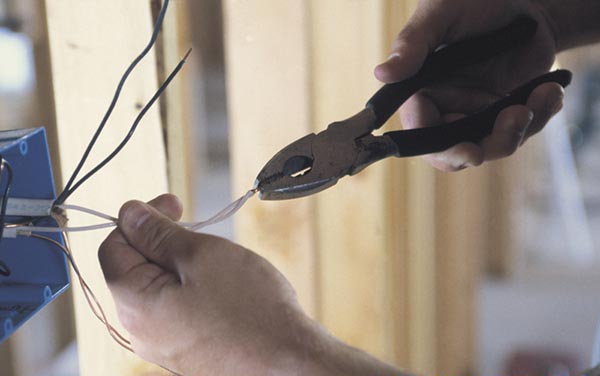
x=557 y=106
x=393 y=56
x=522 y=131
x=135 y=215
x=524 y=126
x=530 y=116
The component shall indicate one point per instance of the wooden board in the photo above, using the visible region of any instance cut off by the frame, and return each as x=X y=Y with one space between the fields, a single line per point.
x=352 y=234
x=268 y=96
x=177 y=103
x=91 y=44
x=460 y=238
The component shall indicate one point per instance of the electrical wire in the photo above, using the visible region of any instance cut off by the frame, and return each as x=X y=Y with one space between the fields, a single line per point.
x=133 y=128
x=4 y=269
x=227 y=212
x=4 y=165
x=26 y=229
x=87 y=210
x=91 y=298
x=67 y=190
x=23 y=230
x=89 y=295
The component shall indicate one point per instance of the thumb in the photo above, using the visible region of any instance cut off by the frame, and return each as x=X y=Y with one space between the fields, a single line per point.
x=421 y=36
x=154 y=235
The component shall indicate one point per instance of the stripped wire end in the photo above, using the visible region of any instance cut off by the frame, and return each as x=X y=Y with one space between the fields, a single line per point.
x=59 y=215
x=187 y=54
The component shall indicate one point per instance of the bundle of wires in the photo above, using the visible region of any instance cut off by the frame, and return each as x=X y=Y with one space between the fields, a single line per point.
x=72 y=185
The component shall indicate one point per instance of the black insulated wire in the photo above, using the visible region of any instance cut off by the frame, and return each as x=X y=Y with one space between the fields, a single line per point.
x=65 y=193
x=132 y=129
x=4 y=269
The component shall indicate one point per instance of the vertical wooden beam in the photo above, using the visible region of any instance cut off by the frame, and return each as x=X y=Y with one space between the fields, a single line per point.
x=347 y=41
x=499 y=258
x=91 y=43
x=268 y=95
x=207 y=30
x=462 y=228
x=414 y=231
x=176 y=105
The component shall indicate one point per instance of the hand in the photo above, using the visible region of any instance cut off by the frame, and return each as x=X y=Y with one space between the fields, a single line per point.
x=198 y=304
x=438 y=22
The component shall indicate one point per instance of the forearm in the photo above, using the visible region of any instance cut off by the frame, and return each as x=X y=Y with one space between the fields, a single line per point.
x=321 y=354
x=575 y=22
x=344 y=360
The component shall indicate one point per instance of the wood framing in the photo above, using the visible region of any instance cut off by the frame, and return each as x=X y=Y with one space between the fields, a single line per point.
x=268 y=94
x=176 y=104
x=91 y=44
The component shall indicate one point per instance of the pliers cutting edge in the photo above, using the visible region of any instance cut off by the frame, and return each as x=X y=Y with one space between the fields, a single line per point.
x=317 y=161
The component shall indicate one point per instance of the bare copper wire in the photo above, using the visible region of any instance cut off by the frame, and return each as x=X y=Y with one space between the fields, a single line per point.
x=89 y=295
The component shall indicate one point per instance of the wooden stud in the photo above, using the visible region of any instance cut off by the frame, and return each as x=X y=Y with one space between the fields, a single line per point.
x=268 y=96
x=91 y=44
x=352 y=236
x=462 y=226
x=176 y=105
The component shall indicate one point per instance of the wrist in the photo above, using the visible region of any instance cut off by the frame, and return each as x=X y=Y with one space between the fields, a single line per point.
x=574 y=22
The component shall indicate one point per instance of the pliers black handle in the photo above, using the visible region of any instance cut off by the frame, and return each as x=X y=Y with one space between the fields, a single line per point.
x=316 y=162
x=472 y=128
x=449 y=59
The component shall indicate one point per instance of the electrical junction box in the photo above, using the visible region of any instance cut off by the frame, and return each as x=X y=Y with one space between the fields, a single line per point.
x=39 y=270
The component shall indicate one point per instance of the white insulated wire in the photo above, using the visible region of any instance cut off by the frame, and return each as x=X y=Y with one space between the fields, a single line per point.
x=29 y=229
x=88 y=211
x=227 y=212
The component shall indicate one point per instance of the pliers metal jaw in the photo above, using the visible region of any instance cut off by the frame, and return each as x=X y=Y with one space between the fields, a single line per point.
x=317 y=161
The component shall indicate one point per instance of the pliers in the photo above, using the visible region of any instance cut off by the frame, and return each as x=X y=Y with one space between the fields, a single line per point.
x=317 y=161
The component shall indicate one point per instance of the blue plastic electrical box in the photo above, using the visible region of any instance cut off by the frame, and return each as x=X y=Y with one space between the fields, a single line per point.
x=39 y=270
